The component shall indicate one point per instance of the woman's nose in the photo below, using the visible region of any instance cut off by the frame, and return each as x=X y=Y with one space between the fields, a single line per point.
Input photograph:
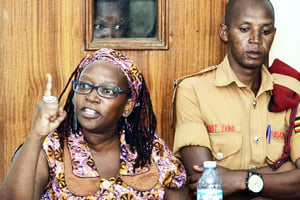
x=93 y=96
x=107 y=33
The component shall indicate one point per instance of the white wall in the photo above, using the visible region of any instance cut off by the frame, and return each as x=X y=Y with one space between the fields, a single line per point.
x=286 y=45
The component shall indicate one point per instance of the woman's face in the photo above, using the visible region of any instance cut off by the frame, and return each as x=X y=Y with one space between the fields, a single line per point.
x=97 y=114
x=109 y=20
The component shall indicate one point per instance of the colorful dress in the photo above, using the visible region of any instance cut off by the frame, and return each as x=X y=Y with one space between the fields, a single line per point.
x=73 y=173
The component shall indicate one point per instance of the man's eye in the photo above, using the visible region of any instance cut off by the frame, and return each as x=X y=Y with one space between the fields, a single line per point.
x=266 y=32
x=244 y=30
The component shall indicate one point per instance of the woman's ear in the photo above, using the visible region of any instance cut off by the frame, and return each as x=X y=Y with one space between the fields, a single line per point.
x=223 y=32
x=128 y=107
x=73 y=99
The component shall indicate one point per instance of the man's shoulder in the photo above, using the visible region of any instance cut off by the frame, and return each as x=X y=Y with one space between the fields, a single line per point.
x=191 y=77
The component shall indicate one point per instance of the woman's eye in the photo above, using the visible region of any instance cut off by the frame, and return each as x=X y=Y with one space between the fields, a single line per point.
x=99 y=27
x=83 y=86
x=108 y=90
x=118 y=27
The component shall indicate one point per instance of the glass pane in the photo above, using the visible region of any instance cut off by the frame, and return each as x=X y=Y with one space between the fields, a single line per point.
x=125 y=19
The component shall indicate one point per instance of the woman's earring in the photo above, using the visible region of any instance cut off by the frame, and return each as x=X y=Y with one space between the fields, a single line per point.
x=74 y=123
x=127 y=125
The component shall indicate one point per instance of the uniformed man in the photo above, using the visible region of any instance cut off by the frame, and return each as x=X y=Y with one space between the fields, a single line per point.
x=241 y=113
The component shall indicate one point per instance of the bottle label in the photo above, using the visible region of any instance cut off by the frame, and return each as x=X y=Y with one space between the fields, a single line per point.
x=209 y=194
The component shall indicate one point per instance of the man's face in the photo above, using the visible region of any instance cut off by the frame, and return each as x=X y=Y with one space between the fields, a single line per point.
x=250 y=33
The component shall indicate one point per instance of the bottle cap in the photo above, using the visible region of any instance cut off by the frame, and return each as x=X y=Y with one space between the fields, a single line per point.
x=209 y=164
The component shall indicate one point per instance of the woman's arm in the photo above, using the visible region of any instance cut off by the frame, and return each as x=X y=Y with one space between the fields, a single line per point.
x=28 y=174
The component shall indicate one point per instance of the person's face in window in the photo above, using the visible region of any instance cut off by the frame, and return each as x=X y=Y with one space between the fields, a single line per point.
x=110 y=21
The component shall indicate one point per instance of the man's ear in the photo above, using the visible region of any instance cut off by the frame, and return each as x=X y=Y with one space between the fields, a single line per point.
x=128 y=107
x=223 y=32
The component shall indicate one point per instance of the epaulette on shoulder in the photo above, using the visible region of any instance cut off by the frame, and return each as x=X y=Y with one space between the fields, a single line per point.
x=177 y=81
x=175 y=84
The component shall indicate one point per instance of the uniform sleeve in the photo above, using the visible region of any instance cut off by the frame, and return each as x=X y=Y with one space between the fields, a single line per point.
x=189 y=126
x=295 y=139
x=171 y=170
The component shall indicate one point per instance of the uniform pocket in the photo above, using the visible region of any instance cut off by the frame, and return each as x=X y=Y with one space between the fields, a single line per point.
x=274 y=150
x=225 y=145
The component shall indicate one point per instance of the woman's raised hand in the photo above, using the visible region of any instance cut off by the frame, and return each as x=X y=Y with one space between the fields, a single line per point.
x=48 y=114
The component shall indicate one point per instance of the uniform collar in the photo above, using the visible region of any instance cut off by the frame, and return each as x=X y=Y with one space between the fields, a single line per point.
x=225 y=76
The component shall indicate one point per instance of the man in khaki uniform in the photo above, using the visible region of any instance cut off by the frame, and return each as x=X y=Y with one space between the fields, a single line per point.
x=221 y=113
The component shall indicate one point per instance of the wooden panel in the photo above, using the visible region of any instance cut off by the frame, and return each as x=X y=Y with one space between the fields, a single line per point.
x=38 y=37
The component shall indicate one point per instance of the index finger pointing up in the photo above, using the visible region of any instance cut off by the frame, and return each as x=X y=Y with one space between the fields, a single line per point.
x=48 y=85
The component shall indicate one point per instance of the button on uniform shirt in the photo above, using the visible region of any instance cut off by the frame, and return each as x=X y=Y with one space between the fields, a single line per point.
x=214 y=109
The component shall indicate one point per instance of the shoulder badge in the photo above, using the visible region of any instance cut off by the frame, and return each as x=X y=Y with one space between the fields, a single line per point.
x=177 y=81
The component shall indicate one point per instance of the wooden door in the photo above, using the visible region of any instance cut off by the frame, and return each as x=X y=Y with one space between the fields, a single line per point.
x=39 y=37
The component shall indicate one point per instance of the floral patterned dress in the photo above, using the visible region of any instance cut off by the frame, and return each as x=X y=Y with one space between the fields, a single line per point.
x=73 y=174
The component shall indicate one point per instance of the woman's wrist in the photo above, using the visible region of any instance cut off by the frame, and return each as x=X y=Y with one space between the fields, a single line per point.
x=35 y=137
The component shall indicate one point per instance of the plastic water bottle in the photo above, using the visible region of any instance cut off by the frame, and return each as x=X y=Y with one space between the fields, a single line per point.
x=210 y=183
